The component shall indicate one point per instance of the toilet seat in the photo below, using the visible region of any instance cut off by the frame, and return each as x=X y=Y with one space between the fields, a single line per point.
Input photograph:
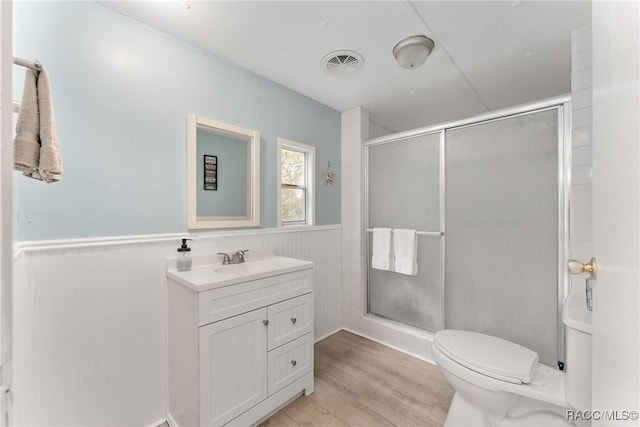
x=547 y=384
x=488 y=355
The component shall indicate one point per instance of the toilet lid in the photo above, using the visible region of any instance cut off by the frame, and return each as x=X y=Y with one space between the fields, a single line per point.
x=487 y=355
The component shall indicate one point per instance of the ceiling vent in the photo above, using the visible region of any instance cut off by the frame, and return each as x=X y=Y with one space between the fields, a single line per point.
x=342 y=62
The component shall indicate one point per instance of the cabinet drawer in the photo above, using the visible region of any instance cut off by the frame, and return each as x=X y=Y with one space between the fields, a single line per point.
x=289 y=320
x=222 y=303
x=289 y=362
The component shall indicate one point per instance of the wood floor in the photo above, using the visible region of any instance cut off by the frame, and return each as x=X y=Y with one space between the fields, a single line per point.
x=362 y=383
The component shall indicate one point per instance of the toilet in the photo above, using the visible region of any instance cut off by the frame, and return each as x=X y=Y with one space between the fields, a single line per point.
x=500 y=383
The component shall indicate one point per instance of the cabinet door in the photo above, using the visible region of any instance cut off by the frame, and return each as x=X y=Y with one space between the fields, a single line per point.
x=233 y=366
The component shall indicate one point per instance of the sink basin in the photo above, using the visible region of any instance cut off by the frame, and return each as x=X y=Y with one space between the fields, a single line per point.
x=246 y=267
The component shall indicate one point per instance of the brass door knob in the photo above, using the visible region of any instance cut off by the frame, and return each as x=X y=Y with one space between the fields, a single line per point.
x=578 y=267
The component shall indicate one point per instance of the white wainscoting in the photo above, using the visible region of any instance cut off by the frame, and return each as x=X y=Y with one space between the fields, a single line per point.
x=91 y=320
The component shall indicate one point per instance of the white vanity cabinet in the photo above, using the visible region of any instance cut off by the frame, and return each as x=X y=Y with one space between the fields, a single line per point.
x=240 y=351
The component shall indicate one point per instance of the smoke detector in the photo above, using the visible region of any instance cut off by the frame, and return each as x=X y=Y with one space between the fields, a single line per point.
x=342 y=62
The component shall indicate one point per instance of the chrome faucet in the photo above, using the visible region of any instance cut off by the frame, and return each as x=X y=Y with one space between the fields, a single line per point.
x=236 y=258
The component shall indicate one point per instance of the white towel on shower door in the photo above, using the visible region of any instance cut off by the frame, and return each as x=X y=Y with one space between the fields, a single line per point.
x=381 y=252
x=406 y=251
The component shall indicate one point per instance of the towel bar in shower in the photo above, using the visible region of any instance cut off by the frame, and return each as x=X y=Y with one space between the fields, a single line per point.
x=419 y=233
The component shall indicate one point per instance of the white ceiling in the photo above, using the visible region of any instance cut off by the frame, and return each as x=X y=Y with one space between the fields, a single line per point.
x=488 y=55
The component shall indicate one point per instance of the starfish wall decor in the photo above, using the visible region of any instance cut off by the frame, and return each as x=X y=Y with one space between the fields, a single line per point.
x=328 y=175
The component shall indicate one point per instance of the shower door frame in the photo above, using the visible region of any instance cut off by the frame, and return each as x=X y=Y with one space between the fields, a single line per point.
x=563 y=106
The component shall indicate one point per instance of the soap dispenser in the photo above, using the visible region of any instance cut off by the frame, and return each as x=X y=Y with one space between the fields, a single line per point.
x=184 y=256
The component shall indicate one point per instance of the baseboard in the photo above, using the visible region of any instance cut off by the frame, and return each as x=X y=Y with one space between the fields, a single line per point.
x=363 y=335
x=401 y=350
x=327 y=335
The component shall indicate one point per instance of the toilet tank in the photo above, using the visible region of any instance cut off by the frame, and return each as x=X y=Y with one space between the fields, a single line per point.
x=577 y=321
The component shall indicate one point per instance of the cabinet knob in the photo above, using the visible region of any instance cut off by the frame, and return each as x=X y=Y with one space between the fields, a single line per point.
x=294 y=363
x=294 y=320
x=266 y=322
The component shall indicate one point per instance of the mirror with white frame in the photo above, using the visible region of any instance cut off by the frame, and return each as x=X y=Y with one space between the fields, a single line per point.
x=223 y=174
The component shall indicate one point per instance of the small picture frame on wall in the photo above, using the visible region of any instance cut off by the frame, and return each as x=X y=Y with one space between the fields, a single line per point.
x=210 y=172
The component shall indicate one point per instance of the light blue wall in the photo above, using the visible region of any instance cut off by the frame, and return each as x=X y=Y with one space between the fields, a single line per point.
x=122 y=92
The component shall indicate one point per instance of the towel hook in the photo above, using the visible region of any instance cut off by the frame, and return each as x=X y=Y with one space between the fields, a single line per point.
x=35 y=65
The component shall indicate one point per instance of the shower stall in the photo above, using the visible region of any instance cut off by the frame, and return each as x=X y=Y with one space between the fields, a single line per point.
x=488 y=198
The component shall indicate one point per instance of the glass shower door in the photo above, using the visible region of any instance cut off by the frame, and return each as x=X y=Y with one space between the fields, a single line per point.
x=403 y=191
x=502 y=228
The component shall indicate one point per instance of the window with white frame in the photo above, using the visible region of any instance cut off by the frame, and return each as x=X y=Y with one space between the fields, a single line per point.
x=295 y=183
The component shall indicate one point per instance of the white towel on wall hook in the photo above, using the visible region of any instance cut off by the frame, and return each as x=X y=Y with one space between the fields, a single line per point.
x=406 y=251
x=37 y=150
x=50 y=167
x=27 y=142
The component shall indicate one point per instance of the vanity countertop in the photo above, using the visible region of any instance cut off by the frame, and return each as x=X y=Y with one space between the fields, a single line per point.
x=208 y=272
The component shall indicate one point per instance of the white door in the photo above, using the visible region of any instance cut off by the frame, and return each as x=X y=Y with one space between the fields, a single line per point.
x=616 y=209
x=6 y=209
x=233 y=366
